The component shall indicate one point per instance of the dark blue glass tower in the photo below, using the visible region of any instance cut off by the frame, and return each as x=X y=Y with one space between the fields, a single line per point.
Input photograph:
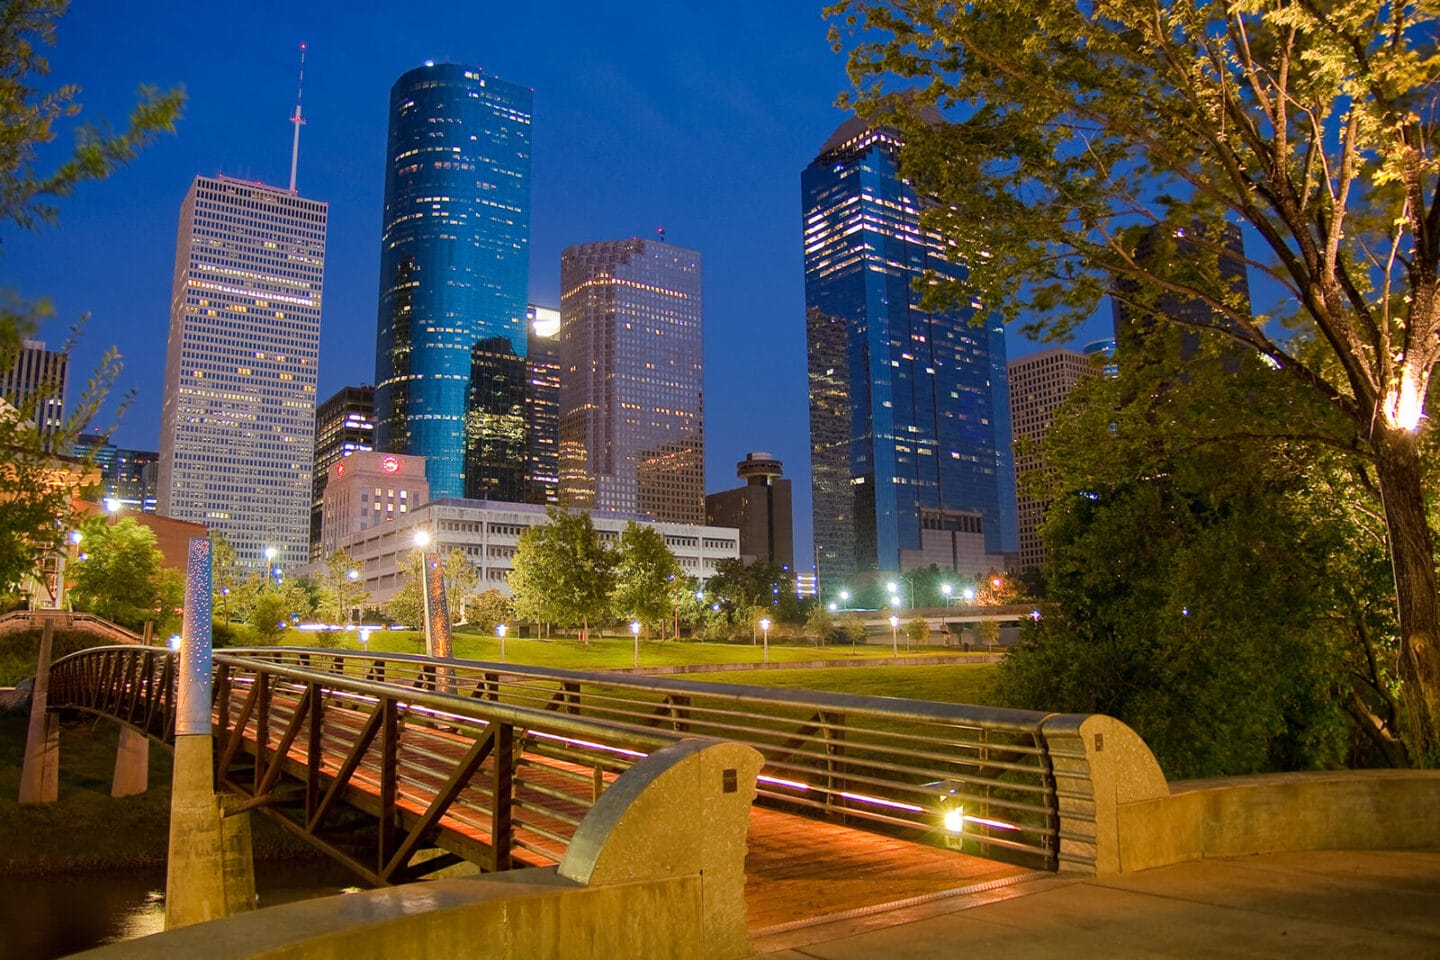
x=454 y=255
x=909 y=408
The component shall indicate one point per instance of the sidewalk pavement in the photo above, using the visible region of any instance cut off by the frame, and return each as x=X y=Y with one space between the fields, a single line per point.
x=1306 y=905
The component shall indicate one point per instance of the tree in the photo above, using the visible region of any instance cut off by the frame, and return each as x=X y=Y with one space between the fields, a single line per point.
x=339 y=591
x=407 y=604
x=1203 y=592
x=119 y=579
x=646 y=575
x=1074 y=129
x=851 y=630
x=562 y=573
x=820 y=624
x=490 y=609
x=460 y=579
x=37 y=489
x=917 y=631
x=225 y=575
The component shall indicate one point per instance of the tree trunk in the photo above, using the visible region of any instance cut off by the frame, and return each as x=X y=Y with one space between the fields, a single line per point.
x=1412 y=555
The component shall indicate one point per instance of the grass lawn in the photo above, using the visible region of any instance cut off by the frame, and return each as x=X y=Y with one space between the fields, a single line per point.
x=614 y=652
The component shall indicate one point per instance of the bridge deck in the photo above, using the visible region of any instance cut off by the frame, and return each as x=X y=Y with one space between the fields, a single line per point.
x=800 y=869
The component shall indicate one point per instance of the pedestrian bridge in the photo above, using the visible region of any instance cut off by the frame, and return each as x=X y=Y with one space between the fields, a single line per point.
x=401 y=765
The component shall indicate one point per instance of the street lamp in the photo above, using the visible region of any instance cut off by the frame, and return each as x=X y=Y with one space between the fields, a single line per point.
x=969 y=594
x=945 y=588
x=635 y=633
x=844 y=598
x=765 y=629
x=500 y=632
x=894 y=635
x=352 y=575
x=270 y=564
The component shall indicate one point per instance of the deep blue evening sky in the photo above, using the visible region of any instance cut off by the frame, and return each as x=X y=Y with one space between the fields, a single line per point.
x=698 y=118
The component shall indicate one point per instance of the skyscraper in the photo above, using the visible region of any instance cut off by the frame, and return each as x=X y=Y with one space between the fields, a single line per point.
x=344 y=424
x=454 y=256
x=632 y=380
x=34 y=384
x=909 y=408
x=495 y=423
x=237 y=435
x=1039 y=383
x=542 y=406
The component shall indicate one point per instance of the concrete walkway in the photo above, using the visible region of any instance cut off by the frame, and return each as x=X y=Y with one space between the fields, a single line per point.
x=1303 y=905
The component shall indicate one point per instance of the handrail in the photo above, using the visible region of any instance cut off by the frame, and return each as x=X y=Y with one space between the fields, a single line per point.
x=979 y=778
x=880 y=763
x=495 y=783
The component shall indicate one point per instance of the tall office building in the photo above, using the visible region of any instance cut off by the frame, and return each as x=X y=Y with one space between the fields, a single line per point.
x=237 y=434
x=909 y=408
x=760 y=510
x=632 y=380
x=1039 y=383
x=344 y=424
x=34 y=384
x=542 y=406
x=454 y=256
x=1211 y=260
x=495 y=423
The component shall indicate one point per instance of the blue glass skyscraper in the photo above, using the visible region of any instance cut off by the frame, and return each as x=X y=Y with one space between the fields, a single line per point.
x=454 y=255
x=909 y=408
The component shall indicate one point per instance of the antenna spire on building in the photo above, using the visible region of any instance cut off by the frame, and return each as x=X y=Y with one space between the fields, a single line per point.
x=298 y=120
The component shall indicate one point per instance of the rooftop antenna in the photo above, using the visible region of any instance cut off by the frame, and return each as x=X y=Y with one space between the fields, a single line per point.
x=297 y=120
x=661 y=231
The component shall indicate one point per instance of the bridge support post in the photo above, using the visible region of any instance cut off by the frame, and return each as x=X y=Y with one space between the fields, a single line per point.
x=132 y=764
x=209 y=873
x=40 y=772
x=684 y=810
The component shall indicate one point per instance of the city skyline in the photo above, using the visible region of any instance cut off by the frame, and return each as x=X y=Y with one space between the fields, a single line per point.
x=697 y=121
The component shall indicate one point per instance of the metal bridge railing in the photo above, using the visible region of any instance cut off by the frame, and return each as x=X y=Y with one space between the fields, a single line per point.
x=970 y=777
x=436 y=777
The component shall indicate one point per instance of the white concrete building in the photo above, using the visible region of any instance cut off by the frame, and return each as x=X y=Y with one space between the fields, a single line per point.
x=487 y=533
x=237 y=434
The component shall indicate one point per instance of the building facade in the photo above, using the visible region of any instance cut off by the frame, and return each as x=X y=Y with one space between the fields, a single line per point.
x=237 y=434
x=34 y=384
x=760 y=510
x=495 y=447
x=909 y=407
x=488 y=533
x=454 y=255
x=344 y=424
x=542 y=406
x=128 y=478
x=369 y=490
x=632 y=380
x=1039 y=383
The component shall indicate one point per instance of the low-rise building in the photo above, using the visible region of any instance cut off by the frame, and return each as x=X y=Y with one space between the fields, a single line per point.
x=374 y=503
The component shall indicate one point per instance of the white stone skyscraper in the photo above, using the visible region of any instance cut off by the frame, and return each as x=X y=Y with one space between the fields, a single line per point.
x=237 y=435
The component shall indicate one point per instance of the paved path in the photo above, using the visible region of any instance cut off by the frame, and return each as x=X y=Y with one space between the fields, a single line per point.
x=1304 y=905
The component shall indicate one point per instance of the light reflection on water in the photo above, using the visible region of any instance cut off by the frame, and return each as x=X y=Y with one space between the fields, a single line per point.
x=42 y=918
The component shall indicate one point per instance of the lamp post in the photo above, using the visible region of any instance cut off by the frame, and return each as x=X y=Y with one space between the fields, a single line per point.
x=945 y=589
x=765 y=629
x=270 y=564
x=635 y=633
x=351 y=575
x=844 y=599
x=894 y=636
x=500 y=632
